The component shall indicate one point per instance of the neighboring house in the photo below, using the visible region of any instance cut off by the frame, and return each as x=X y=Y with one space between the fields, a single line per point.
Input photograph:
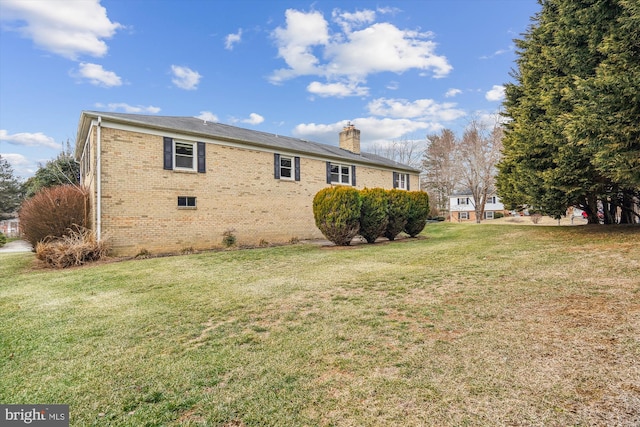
x=10 y=227
x=462 y=207
x=164 y=184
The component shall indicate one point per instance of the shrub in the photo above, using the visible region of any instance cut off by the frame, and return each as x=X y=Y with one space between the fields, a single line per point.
x=418 y=212
x=337 y=213
x=53 y=211
x=228 y=238
x=497 y=215
x=373 y=213
x=535 y=218
x=78 y=246
x=3 y=240
x=398 y=212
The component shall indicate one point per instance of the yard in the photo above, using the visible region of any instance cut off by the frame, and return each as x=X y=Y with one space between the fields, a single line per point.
x=481 y=325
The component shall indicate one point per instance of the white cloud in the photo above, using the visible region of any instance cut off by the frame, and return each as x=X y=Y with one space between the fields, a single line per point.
x=185 y=78
x=348 y=20
x=452 y=92
x=495 y=94
x=499 y=52
x=207 y=116
x=339 y=90
x=295 y=42
x=393 y=85
x=22 y=167
x=254 y=119
x=133 y=109
x=422 y=109
x=374 y=131
x=98 y=76
x=37 y=139
x=67 y=28
x=309 y=49
x=233 y=39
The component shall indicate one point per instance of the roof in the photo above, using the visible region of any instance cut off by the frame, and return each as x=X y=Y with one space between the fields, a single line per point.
x=197 y=127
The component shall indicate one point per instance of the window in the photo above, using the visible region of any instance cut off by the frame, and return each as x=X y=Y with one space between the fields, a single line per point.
x=341 y=174
x=401 y=181
x=492 y=199
x=464 y=215
x=488 y=215
x=286 y=167
x=186 y=202
x=183 y=155
x=463 y=200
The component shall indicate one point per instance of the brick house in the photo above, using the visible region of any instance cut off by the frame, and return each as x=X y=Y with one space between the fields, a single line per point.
x=164 y=184
x=462 y=207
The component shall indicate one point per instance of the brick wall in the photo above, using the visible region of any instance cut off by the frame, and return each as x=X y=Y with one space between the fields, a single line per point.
x=238 y=191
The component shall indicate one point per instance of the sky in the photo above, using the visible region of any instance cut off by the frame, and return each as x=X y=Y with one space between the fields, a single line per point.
x=397 y=70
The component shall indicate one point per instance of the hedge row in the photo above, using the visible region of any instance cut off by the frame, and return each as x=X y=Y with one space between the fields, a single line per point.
x=341 y=213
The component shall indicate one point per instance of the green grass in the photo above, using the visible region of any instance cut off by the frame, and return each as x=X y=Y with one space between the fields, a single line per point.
x=469 y=325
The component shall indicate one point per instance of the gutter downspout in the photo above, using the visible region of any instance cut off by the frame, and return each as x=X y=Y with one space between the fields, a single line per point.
x=99 y=182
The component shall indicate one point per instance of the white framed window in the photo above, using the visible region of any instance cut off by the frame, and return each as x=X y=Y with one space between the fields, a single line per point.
x=488 y=215
x=340 y=174
x=463 y=200
x=184 y=155
x=186 y=202
x=492 y=199
x=464 y=215
x=287 y=166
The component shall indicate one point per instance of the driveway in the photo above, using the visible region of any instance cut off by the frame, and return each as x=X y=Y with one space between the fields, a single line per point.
x=16 y=246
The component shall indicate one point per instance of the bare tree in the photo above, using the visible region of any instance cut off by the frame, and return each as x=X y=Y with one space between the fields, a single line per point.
x=477 y=155
x=405 y=151
x=439 y=165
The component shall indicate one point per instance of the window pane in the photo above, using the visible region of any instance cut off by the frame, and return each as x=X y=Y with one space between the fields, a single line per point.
x=184 y=155
x=335 y=177
x=182 y=201
x=285 y=162
x=345 y=179
x=285 y=172
x=335 y=169
x=345 y=170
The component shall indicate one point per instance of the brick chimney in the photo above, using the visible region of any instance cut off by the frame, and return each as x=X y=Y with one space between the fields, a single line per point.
x=350 y=139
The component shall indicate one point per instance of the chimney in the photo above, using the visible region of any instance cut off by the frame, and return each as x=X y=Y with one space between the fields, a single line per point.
x=350 y=139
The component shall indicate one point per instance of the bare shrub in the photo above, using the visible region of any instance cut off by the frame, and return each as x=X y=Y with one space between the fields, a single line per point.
x=53 y=211
x=535 y=218
x=77 y=247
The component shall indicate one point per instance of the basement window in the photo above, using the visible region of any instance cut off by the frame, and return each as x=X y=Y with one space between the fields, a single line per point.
x=186 y=202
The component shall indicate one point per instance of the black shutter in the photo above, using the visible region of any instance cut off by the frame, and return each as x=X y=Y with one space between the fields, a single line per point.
x=202 y=165
x=395 y=180
x=168 y=153
x=408 y=189
x=276 y=165
x=297 y=166
x=328 y=172
x=353 y=175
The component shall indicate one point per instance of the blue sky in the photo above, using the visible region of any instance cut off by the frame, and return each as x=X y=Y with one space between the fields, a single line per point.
x=399 y=70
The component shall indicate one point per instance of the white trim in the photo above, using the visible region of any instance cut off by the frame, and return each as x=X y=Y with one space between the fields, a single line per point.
x=194 y=157
x=99 y=180
x=340 y=174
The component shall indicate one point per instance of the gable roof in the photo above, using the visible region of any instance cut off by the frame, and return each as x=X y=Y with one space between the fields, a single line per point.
x=197 y=127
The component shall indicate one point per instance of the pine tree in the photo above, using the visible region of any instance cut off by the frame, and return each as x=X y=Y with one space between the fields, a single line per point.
x=10 y=191
x=573 y=134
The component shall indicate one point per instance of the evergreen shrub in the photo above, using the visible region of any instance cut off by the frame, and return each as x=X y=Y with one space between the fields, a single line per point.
x=337 y=213
x=373 y=213
x=3 y=239
x=398 y=212
x=418 y=211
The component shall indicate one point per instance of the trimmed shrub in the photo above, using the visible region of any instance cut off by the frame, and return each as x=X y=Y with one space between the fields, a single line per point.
x=337 y=213
x=53 y=211
x=3 y=239
x=398 y=212
x=77 y=247
x=373 y=213
x=418 y=212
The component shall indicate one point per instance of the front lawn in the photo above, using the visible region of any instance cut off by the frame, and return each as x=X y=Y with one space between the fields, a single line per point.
x=479 y=325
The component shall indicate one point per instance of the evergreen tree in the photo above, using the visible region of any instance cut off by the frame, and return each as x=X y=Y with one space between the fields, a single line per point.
x=10 y=191
x=62 y=170
x=573 y=134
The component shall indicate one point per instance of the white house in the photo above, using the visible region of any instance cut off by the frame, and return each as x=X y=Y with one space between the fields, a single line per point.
x=462 y=207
